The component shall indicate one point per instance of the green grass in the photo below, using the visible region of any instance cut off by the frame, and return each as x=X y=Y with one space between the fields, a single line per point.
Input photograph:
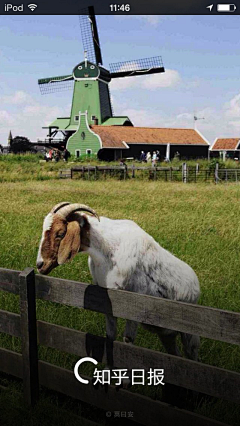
x=198 y=223
x=29 y=167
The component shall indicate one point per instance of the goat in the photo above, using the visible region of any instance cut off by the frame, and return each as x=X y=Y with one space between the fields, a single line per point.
x=121 y=256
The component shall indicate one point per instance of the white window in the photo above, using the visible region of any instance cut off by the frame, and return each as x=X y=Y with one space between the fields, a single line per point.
x=76 y=118
x=77 y=153
x=88 y=151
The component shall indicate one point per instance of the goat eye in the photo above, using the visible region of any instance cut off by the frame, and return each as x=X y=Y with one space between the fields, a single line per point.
x=61 y=235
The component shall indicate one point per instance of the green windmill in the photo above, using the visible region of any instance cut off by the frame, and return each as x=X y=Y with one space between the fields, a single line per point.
x=91 y=101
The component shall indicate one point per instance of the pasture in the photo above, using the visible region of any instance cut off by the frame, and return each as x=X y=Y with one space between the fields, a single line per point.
x=25 y=167
x=198 y=223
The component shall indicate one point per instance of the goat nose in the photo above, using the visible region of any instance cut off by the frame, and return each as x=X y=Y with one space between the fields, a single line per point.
x=39 y=265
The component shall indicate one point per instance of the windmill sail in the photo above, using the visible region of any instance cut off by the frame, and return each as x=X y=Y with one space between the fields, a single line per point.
x=90 y=37
x=55 y=84
x=137 y=67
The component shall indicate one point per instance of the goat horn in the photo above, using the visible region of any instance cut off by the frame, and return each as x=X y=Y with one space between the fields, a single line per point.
x=59 y=206
x=68 y=209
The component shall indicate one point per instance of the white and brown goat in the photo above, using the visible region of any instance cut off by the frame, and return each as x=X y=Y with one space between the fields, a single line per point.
x=121 y=256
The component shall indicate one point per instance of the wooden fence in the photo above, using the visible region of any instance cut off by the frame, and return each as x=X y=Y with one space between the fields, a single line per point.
x=204 y=321
x=183 y=174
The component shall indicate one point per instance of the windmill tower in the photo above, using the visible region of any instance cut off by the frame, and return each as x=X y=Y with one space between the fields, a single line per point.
x=91 y=96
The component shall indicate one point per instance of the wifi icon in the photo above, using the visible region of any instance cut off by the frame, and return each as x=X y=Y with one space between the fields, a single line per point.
x=32 y=6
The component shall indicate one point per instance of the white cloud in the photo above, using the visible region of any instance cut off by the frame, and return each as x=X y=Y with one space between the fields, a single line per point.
x=232 y=108
x=29 y=120
x=143 y=117
x=17 y=98
x=148 y=19
x=6 y=118
x=170 y=78
x=209 y=127
x=235 y=127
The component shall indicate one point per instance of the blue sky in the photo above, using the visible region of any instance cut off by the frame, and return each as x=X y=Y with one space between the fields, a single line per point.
x=201 y=55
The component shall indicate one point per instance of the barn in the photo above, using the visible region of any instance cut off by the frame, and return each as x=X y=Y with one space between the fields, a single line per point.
x=225 y=148
x=115 y=142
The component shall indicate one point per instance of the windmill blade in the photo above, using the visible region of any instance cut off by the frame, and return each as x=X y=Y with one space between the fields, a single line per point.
x=90 y=37
x=137 y=67
x=55 y=84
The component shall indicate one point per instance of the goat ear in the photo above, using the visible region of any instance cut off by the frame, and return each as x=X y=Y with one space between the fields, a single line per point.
x=70 y=244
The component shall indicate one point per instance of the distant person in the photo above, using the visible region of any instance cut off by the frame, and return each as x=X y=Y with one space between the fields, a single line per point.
x=154 y=159
x=177 y=155
x=158 y=156
x=47 y=157
x=149 y=157
x=50 y=155
x=122 y=163
x=66 y=155
x=57 y=155
x=142 y=156
x=53 y=155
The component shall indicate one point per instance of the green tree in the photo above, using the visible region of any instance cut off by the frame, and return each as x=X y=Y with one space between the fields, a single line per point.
x=21 y=144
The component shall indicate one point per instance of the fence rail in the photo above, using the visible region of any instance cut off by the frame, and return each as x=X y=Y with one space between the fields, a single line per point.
x=185 y=174
x=62 y=380
x=209 y=322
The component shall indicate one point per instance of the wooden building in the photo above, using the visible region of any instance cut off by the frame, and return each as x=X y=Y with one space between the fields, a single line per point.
x=226 y=148
x=115 y=142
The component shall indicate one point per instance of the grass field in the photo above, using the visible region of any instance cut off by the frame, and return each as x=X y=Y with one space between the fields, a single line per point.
x=26 y=167
x=198 y=223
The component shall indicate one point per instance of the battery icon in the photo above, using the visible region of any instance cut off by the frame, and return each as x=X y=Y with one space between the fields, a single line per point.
x=226 y=7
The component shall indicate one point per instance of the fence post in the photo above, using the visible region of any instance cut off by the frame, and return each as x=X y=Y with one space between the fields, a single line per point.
x=216 y=173
x=125 y=172
x=155 y=173
x=184 y=172
x=29 y=335
x=95 y=173
x=133 y=171
x=196 y=172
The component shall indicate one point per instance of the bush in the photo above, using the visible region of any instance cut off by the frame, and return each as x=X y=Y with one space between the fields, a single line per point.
x=214 y=161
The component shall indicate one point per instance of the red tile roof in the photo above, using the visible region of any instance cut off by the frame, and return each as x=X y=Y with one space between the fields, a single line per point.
x=114 y=136
x=229 y=144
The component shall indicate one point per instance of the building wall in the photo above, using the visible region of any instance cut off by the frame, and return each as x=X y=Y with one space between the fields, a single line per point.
x=86 y=98
x=229 y=154
x=105 y=103
x=189 y=151
x=185 y=151
x=81 y=142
